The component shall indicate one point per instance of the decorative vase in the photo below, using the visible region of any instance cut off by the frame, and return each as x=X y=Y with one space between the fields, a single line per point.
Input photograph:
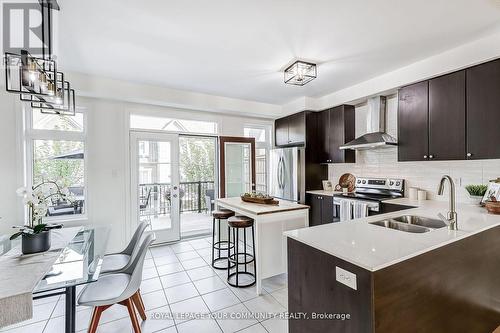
x=35 y=243
x=475 y=200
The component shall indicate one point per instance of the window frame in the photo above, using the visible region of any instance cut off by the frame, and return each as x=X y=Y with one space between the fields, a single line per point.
x=31 y=134
x=267 y=145
x=132 y=128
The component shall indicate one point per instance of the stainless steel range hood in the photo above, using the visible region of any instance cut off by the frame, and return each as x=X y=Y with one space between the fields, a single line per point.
x=376 y=136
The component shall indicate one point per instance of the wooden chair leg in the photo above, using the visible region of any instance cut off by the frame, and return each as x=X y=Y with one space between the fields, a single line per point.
x=133 y=317
x=140 y=299
x=94 y=322
x=138 y=304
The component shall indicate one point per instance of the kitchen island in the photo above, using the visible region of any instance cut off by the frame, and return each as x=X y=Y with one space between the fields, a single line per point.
x=271 y=221
x=387 y=280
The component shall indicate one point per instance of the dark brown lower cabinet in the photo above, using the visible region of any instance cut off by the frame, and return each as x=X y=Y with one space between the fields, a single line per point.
x=453 y=288
x=321 y=209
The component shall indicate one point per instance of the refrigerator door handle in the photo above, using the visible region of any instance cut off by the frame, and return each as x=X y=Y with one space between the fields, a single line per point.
x=280 y=184
x=283 y=174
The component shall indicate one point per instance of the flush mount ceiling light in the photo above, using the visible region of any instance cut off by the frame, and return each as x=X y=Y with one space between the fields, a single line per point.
x=36 y=79
x=300 y=72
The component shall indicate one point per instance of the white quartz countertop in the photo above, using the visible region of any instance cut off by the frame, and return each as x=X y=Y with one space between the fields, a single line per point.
x=374 y=247
x=260 y=209
x=323 y=192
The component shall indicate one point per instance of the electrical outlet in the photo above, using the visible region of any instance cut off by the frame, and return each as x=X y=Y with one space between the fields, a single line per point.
x=346 y=278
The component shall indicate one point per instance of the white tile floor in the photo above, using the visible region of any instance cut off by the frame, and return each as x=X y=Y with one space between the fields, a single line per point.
x=178 y=279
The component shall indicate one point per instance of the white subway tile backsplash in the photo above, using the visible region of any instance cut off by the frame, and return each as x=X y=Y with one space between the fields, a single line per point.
x=424 y=175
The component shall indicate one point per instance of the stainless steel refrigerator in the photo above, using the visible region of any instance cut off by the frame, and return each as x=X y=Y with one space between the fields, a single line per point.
x=287 y=174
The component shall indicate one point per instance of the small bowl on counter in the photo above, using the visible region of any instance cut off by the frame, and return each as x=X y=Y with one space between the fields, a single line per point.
x=493 y=207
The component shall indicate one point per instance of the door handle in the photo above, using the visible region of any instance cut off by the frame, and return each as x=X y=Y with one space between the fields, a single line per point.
x=283 y=173
x=279 y=173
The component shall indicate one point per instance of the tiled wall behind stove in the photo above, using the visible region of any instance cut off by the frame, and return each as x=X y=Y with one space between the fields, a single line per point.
x=424 y=175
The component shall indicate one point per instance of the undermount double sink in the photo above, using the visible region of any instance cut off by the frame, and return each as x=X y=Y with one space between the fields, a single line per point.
x=411 y=223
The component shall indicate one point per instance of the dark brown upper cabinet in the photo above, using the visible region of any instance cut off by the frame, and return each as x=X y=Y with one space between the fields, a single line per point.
x=301 y=129
x=336 y=127
x=413 y=116
x=431 y=119
x=281 y=132
x=483 y=111
x=447 y=117
x=290 y=131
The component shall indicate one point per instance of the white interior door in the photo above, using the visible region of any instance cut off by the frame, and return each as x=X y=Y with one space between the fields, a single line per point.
x=155 y=183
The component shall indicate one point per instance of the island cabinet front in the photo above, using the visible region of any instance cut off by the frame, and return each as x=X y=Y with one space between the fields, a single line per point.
x=317 y=303
x=452 y=288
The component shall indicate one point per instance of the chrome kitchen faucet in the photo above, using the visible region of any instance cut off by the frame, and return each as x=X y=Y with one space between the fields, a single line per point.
x=451 y=220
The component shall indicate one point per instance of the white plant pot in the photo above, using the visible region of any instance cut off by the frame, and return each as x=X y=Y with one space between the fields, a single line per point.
x=475 y=200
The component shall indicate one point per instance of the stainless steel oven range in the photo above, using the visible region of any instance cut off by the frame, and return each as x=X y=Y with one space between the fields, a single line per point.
x=372 y=191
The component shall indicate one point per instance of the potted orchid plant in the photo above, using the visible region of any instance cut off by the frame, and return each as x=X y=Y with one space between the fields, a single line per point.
x=36 y=234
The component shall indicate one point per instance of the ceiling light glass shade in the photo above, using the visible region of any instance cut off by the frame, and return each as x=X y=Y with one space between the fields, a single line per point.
x=25 y=74
x=300 y=73
x=62 y=103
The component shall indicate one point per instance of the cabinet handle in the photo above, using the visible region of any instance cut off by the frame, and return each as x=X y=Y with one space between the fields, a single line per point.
x=425 y=157
x=469 y=154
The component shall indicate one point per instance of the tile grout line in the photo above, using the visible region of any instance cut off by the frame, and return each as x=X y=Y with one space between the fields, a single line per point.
x=240 y=302
x=163 y=290
x=199 y=291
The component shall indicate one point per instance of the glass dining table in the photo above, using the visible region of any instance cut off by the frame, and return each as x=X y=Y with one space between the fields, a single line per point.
x=79 y=263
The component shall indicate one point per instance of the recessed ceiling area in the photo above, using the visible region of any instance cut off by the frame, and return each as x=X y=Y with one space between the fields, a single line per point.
x=239 y=49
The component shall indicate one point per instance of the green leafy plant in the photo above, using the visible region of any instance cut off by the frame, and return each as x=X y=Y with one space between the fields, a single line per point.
x=27 y=230
x=476 y=190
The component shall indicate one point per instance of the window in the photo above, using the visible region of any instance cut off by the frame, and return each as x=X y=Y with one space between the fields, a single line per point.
x=172 y=125
x=262 y=146
x=258 y=133
x=55 y=147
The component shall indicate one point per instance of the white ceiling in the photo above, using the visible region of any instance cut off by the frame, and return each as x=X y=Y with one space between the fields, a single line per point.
x=237 y=48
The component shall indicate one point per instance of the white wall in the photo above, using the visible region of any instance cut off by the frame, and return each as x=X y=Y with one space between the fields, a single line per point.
x=118 y=90
x=424 y=175
x=10 y=163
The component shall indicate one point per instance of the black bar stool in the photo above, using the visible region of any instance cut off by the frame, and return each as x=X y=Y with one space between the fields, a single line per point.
x=235 y=224
x=220 y=245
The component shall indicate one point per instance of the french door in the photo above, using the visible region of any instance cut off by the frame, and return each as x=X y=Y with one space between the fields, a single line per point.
x=237 y=166
x=155 y=183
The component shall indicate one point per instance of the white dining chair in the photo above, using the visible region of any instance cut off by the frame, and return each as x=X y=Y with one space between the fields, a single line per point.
x=117 y=261
x=118 y=288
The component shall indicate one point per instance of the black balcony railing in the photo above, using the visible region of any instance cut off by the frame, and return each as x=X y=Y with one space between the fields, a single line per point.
x=155 y=199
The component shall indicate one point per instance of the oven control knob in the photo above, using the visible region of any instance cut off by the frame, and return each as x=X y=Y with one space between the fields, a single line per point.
x=398 y=183
x=391 y=183
x=364 y=181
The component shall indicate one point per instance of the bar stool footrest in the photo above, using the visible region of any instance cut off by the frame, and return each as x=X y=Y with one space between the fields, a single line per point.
x=232 y=258
x=222 y=259
x=239 y=285
x=216 y=245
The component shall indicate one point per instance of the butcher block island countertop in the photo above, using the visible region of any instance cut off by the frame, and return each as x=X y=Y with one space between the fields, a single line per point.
x=260 y=209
